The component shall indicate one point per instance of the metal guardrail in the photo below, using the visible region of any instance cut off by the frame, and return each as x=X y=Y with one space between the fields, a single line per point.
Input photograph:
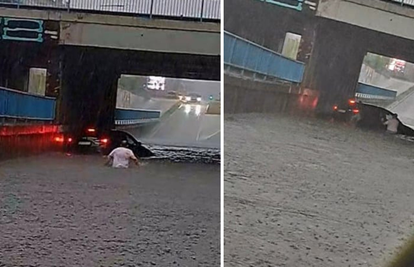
x=21 y=105
x=246 y=55
x=403 y=2
x=194 y=9
x=135 y=116
x=366 y=91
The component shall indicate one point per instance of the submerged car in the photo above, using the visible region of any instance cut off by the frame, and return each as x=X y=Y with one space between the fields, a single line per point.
x=345 y=111
x=103 y=142
x=114 y=139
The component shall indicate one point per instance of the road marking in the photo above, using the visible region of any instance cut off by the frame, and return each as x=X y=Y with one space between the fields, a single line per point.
x=218 y=132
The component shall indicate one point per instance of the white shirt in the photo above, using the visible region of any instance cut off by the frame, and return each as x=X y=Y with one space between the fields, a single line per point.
x=121 y=156
x=392 y=125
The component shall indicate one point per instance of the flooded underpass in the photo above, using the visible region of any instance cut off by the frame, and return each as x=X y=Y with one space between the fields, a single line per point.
x=68 y=209
x=189 y=135
x=71 y=210
x=305 y=192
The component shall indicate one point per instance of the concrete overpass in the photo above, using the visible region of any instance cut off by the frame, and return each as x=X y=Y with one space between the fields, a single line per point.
x=128 y=33
x=85 y=54
x=335 y=37
x=380 y=16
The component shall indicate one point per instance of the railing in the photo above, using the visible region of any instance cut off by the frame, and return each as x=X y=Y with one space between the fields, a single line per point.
x=366 y=91
x=135 y=116
x=246 y=55
x=194 y=9
x=21 y=105
x=403 y=2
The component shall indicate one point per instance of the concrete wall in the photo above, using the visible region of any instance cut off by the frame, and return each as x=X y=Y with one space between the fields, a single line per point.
x=267 y=24
x=139 y=38
x=246 y=96
x=376 y=15
x=17 y=58
x=125 y=99
x=123 y=32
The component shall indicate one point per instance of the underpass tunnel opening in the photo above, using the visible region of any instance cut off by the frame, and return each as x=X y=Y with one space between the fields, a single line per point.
x=338 y=54
x=93 y=89
x=376 y=68
x=169 y=111
x=388 y=83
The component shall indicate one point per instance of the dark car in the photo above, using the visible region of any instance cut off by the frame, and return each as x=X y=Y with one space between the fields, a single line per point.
x=345 y=111
x=84 y=141
x=114 y=138
x=94 y=141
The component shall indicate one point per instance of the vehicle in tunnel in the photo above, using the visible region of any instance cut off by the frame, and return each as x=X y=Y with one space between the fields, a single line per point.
x=103 y=142
x=192 y=98
x=85 y=142
x=346 y=110
x=174 y=95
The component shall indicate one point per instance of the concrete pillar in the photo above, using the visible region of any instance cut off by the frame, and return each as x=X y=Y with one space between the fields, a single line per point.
x=88 y=93
x=334 y=67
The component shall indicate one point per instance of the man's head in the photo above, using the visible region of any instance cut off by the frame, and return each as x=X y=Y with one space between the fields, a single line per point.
x=124 y=143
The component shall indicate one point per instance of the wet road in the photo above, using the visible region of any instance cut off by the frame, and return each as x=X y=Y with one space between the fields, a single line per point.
x=188 y=126
x=72 y=211
x=310 y=193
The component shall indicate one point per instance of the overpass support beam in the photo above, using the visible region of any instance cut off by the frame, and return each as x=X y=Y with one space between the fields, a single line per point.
x=88 y=92
x=335 y=64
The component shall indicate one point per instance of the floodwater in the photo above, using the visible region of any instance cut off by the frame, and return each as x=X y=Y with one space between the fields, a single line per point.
x=302 y=192
x=58 y=210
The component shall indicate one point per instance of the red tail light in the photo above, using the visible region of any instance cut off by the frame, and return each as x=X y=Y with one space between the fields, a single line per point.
x=335 y=107
x=355 y=111
x=104 y=141
x=59 y=139
x=352 y=101
x=91 y=130
x=70 y=140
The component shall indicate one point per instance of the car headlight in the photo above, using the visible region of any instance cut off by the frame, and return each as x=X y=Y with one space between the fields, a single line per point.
x=188 y=98
x=198 y=98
